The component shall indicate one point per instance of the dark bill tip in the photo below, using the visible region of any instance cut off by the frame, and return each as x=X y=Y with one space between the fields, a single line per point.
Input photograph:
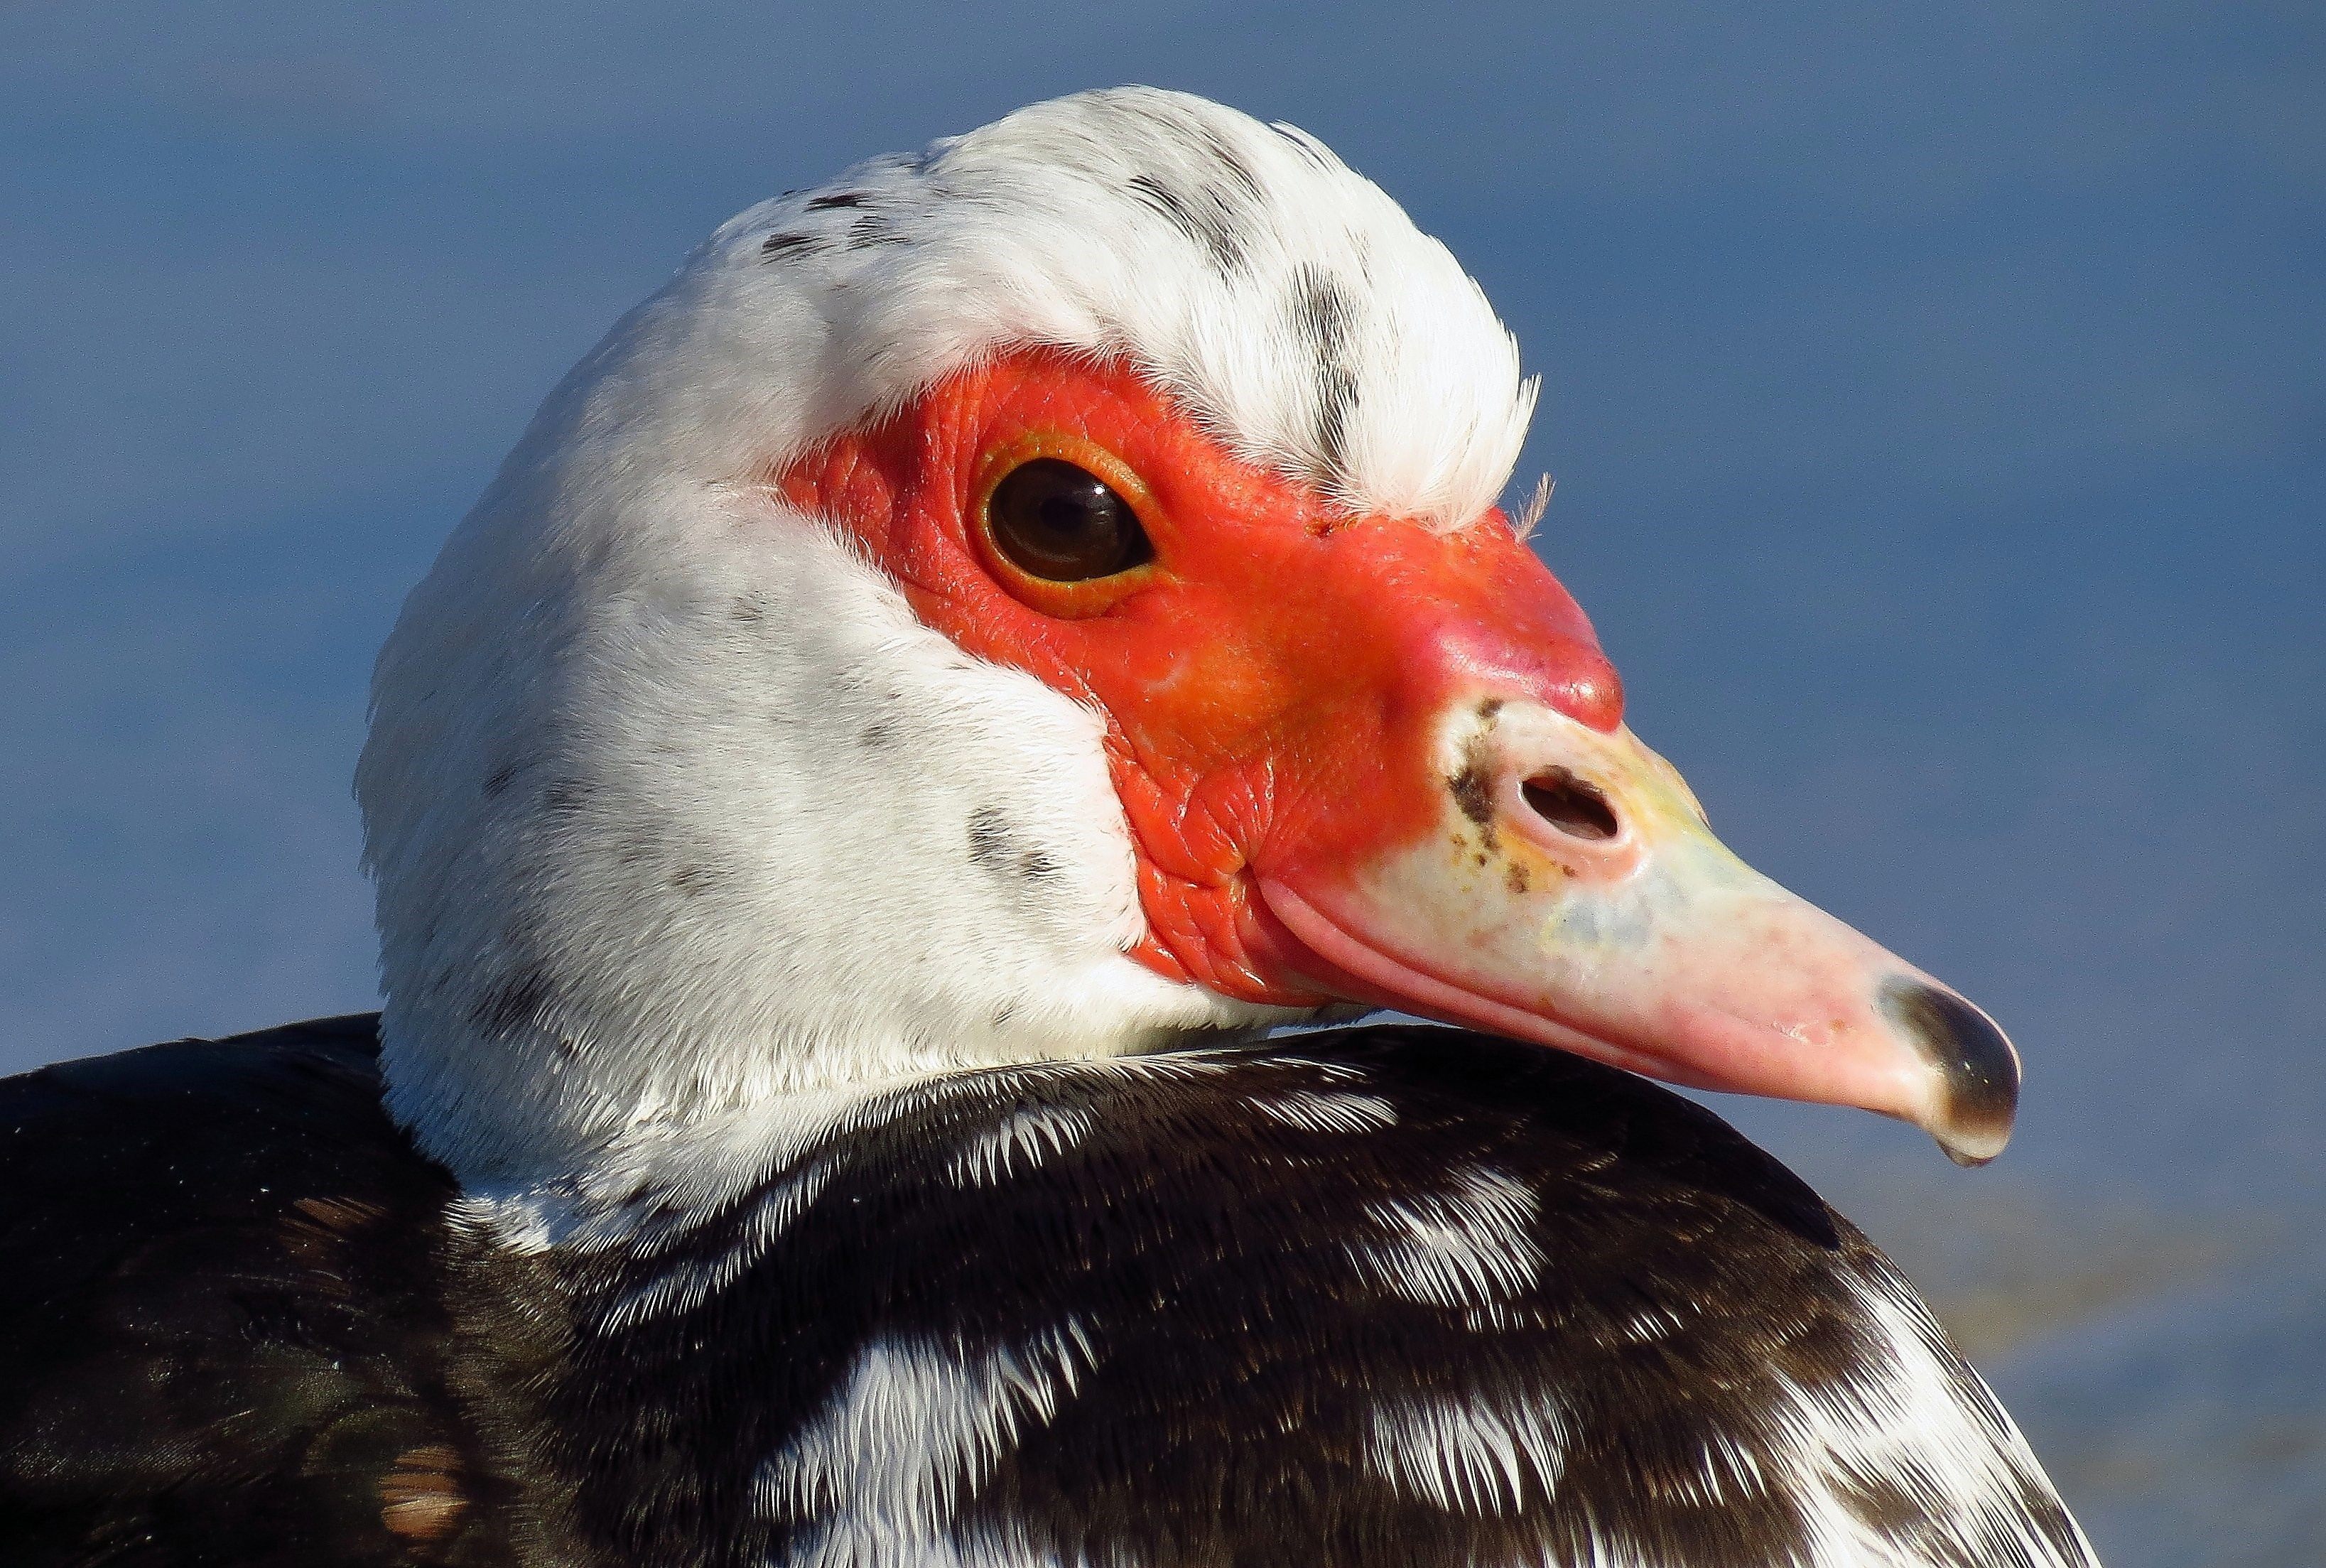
x=1980 y=1069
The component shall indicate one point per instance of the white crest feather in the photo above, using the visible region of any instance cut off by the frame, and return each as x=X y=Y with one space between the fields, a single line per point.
x=1537 y=502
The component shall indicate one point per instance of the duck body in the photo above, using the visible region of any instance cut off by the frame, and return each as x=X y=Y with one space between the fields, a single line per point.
x=995 y=641
x=1363 y=1296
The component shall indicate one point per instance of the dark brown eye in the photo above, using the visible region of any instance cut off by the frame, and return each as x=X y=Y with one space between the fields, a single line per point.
x=1062 y=524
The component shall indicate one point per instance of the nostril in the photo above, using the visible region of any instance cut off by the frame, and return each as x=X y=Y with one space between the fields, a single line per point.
x=1571 y=806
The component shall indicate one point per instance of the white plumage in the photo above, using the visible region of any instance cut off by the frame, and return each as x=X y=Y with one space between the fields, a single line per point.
x=637 y=860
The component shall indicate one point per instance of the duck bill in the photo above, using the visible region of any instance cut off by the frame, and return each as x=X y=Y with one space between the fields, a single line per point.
x=1570 y=893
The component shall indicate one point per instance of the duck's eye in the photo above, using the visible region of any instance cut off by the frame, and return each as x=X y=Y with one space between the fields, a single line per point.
x=1062 y=524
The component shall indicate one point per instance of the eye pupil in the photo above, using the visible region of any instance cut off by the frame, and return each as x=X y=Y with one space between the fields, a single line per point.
x=1063 y=524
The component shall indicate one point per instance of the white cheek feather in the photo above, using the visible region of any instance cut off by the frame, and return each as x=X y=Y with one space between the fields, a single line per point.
x=758 y=832
x=1469 y=1247
x=913 y=1435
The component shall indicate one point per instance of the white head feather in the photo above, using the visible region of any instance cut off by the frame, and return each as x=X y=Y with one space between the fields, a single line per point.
x=673 y=808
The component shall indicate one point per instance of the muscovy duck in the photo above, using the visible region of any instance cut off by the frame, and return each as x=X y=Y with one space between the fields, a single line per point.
x=932 y=697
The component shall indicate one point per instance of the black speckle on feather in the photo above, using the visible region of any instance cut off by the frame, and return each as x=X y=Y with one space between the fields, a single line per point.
x=513 y=1005
x=1322 y=314
x=1301 y=144
x=775 y=246
x=1230 y=164
x=874 y=230
x=1204 y=215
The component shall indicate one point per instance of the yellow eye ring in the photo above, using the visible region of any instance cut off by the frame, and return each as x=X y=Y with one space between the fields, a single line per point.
x=1063 y=524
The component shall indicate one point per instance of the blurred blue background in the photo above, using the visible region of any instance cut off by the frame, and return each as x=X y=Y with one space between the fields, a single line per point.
x=1938 y=402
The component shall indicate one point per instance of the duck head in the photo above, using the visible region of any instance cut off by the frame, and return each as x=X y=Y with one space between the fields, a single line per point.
x=1045 y=599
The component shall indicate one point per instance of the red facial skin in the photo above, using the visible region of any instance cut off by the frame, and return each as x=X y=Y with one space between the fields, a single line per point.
x=1269 y=682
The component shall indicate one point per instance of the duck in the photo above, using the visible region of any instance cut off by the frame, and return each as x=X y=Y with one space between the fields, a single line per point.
x=1019 y=927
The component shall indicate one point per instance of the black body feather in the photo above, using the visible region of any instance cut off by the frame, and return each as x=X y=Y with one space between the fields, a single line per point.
x=1186 y=1303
